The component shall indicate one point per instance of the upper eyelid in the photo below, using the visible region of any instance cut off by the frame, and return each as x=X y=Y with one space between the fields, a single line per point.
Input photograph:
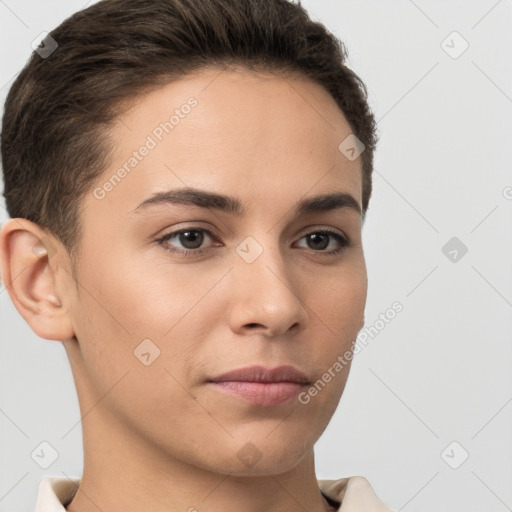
x=305 y=231
x=310 y=229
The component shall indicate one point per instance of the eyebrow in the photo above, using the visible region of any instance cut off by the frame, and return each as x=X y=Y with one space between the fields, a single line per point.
x=213 y=201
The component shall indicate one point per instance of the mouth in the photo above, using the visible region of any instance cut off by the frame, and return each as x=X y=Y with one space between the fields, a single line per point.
x=262 y=386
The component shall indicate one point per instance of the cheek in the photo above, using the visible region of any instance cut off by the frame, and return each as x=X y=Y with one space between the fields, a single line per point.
x=335 y=324
x=121 y=325
x=131 y=312
x=340 y=298
x=336 y=320
x=141 y=297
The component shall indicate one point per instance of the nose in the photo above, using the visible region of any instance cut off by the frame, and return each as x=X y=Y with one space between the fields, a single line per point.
x=266 y=297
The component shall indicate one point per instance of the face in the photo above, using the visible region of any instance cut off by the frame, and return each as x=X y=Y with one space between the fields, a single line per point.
x=173 y=294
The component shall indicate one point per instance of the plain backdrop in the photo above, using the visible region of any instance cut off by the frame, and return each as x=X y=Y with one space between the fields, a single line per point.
x=427 y=412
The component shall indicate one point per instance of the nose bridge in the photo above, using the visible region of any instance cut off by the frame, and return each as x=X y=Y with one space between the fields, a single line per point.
x=260 y=262
x=265 y=290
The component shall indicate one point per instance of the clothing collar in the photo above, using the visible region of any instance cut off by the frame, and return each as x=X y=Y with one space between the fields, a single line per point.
x=353 y=494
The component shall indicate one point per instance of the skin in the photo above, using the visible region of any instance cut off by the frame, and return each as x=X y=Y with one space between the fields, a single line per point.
x=157 y=437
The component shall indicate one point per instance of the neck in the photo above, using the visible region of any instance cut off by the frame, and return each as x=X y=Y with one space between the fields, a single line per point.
x=123 y=473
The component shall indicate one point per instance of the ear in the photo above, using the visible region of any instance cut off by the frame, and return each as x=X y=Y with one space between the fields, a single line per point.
x=28 y=271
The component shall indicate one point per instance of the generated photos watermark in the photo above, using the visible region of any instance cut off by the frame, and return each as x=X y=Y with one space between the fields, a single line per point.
x=343 y=360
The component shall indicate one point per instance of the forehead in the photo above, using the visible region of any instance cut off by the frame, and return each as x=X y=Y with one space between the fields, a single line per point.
x=230 y=131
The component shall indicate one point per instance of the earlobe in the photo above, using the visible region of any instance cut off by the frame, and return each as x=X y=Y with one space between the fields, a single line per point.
x=30 y=278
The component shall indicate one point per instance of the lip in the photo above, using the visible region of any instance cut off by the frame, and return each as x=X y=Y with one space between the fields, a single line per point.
x=260 y=385
x=259 y=373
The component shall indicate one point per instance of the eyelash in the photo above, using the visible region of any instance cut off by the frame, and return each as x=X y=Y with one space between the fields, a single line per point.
x=344 y=242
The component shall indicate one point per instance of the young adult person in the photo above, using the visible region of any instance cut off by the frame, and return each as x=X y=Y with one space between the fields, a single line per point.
x=187 y=182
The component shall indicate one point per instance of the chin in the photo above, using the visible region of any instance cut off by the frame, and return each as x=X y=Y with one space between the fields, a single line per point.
x=263 y=456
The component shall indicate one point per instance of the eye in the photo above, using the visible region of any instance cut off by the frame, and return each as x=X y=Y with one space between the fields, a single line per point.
x=319 y=241
x=190 y=238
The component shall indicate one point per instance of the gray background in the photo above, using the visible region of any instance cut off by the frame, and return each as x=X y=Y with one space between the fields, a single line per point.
x=438 y=373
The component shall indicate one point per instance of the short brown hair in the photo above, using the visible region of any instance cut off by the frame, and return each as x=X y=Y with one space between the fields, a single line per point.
x=55 y=129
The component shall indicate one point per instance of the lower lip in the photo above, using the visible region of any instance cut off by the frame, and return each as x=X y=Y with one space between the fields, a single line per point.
x=261 y=393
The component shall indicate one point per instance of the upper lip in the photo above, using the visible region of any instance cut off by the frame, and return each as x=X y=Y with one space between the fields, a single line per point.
x=285 y=373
